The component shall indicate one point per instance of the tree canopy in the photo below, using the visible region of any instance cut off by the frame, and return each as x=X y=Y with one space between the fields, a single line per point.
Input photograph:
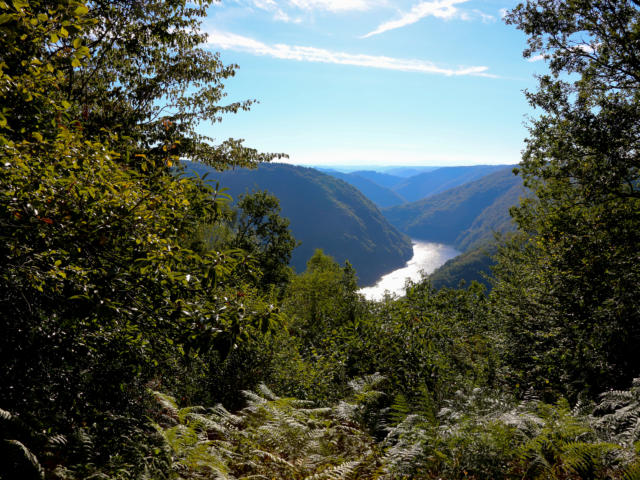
x=100 y=291
x=581 y=160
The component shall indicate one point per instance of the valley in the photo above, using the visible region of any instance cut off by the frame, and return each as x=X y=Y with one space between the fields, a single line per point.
x=363 y=217
x=427 y=257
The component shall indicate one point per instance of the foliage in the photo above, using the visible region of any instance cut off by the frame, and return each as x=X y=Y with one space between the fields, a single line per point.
x=477 y=434
x=263 y=233
x=99 y=292
x=581 y=161
x=481 y=434
x=272 y=437
x=473 y=265
x=109 y=284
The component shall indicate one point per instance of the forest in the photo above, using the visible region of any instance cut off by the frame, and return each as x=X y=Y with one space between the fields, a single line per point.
x=150 y=328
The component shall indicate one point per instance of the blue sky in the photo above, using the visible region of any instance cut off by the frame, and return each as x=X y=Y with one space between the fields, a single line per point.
x=375 y=82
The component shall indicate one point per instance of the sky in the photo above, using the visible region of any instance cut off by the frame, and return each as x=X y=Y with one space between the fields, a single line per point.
x=375 y=82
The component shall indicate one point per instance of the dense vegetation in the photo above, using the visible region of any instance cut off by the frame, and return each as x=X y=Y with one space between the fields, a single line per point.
x=131 y=292
x=471 y=266
x=324 y=213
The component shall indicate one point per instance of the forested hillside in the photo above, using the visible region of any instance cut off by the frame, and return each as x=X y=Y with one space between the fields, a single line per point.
x=324 y=213
x=463 y=215
x=474 y=265
x=378 y=193
x=425 y=184
x=151 y=329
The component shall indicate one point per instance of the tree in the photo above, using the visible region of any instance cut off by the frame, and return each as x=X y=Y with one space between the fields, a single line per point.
x=581 y=161
x=99 y=293
x=148 y=78
x=264 y=234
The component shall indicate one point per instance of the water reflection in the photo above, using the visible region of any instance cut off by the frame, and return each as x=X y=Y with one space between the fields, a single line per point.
x=427 y=257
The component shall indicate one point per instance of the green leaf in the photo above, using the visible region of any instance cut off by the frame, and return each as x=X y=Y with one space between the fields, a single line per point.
x=80 y=11
x=20 y=4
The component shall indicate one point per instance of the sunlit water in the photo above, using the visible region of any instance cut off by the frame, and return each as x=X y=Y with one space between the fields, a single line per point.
x=427 y=257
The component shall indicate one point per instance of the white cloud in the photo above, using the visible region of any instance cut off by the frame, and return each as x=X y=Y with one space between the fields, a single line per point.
x=265 y=4
x=334 y=5
x=535 y=58
x=289 y=10
x=282 y=16
x=485 y=17
x=309 y=5
x=231 y=41
x=444 y=9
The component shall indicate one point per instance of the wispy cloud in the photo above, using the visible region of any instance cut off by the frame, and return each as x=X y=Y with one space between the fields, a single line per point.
x=290 y=10
x=334 y=5
x=485 y=17
x=444 y=9
x=231 y=41
x=311 y=5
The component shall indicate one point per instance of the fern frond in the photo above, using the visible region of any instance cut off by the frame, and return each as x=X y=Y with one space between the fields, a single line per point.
x=25 y=457
x=276 y=459
x=338 y=472
x=57 y=441
x=5 y=415
x=632 y=472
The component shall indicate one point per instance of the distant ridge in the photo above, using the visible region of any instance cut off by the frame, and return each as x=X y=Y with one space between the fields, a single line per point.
x=430 y=183
x=380 y=195
x=383 y=179
x=463 y=216
x=410 y=184
x=325 y=213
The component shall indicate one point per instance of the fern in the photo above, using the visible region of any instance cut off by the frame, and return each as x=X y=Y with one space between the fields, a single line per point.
x=339 y=472
x=272 y=437
x=617 y=416
x=18 y=461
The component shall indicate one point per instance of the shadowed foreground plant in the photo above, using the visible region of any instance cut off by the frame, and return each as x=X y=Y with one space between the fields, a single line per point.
x=272 y=437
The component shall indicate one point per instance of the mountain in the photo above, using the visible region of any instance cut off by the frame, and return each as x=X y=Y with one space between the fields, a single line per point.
x=406 y=172
x=472 y=265
x=383 y=179
x=463 y=216
x=325 y=213
x=378 y=194
x=426 y=184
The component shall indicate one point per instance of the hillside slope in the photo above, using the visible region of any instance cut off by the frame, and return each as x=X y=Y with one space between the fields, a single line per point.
x=325 y=213
x=462 y=216
x=472 y=265
x=383 y=179
x=380 y=195
x=430 y=183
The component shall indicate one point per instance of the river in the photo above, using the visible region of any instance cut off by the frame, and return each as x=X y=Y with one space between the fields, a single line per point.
x=426 y=258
